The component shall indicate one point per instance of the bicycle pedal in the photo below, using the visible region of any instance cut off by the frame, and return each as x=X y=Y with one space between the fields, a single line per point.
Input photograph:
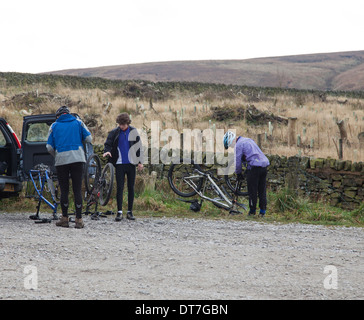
x=95 y=216
x=44 y=220
x=35 y=217
x=241 y=205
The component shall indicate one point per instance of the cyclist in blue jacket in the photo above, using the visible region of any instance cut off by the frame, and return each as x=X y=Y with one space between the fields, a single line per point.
x=65 y=143
x=248 y=152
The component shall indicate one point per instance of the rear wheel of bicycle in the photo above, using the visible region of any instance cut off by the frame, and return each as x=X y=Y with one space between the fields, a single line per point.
x=92 y=172
x=176 y=175
x=107 y=182
x=232 y=182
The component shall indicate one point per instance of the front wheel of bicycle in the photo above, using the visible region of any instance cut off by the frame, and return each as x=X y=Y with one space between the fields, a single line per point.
x=92 y=172
x=107 y=182
x=240 y=189
x=179 y=174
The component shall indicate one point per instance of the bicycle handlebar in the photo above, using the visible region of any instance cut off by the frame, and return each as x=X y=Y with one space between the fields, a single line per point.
x=201 y=172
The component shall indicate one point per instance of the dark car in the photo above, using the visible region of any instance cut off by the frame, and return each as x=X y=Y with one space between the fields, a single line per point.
x=18 y=157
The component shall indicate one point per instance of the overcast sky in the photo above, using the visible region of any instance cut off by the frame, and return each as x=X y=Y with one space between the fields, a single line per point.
x=48 y=35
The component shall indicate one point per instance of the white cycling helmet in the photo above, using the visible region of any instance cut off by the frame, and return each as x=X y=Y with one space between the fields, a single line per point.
x=228 y=139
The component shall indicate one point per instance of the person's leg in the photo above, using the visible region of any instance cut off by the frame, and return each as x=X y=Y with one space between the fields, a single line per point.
x=120 y=178
x=252 y=182
x=131 y=174
x=63 y=180
x=262 y=190
x=76 y=176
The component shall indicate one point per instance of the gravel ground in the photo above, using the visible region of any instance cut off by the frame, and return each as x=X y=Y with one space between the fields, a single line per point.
x=166 y=258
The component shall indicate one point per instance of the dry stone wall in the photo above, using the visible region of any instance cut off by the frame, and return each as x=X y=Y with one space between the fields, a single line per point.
x=340 y=183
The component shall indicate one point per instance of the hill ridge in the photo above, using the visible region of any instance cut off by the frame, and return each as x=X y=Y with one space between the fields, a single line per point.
x=322 y=71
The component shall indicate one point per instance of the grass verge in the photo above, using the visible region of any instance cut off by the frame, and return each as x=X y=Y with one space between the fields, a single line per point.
x=284 y=206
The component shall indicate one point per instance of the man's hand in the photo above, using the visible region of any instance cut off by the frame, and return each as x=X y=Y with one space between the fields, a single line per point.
x=140 y=166
x=107 y=154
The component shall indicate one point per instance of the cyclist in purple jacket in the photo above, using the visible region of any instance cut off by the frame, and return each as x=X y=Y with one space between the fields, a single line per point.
x=248 y=152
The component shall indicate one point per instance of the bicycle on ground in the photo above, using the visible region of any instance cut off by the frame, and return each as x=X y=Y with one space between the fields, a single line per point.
x=188 y=179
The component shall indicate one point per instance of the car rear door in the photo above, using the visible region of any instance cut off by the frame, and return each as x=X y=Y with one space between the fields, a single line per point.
x=10 y=183
x=34 y=141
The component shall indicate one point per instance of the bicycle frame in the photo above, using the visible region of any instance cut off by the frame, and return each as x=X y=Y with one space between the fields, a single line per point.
x=227 y=204
x=43 y=176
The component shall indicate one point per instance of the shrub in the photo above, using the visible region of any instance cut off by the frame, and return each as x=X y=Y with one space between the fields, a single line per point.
x=286 y=200
x=358 y=213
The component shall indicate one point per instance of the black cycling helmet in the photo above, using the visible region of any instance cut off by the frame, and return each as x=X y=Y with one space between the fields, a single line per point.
x=62 y=110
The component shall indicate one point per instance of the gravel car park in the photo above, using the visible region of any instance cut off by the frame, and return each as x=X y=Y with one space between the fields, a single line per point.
x=168 y=258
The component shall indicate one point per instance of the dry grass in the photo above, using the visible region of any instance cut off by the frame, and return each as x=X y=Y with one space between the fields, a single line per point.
x=316 y=119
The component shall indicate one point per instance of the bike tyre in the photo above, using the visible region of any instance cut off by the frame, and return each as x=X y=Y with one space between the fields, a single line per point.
x=173 y=171
x=107 y=178
x=92 y=172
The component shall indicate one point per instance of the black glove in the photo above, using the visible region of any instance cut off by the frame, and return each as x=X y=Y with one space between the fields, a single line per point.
x=240 y=177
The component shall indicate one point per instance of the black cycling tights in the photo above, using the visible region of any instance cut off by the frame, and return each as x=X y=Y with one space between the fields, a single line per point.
x=75 y=171
x=130 y=172
x=257 y=184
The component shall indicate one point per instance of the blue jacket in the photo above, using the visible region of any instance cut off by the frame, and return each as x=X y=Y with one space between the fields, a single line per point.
x=65 y=140
x=135 y=150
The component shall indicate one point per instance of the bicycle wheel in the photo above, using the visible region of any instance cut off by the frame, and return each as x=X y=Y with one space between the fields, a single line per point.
x=107 y=182
x=176 y=177
x=232 y=182
x=92 y=172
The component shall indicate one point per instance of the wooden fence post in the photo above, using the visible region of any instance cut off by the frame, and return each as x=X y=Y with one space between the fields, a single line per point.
x=291 y=131
x=259 y=138
x=342 y=129
x=340 y=149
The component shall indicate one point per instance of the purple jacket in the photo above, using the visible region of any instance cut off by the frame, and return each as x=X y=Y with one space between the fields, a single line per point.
x=254 y=157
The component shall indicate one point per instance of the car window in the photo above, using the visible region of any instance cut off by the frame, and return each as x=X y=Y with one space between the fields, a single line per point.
x=2 y=139
x=37 y=132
